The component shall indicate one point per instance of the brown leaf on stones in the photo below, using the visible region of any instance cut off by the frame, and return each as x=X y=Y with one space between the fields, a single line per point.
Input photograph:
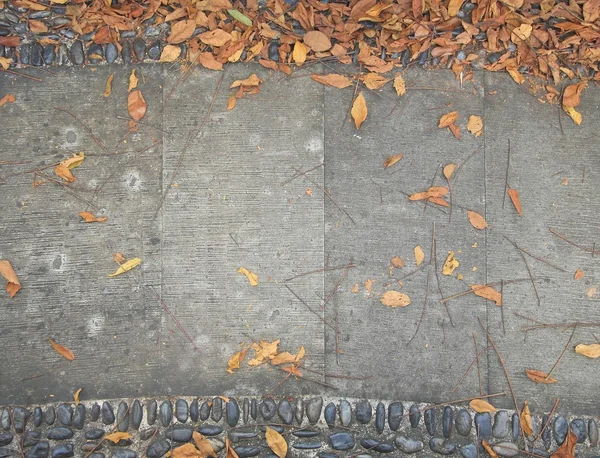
x=187 y=451
x=450 y=264
x=252 y=80
x=333 y=80
x=317 y=41
x=235 y=361
x=62 y=350
x=136 y=105
x=515 y=199
x=203 y=444
x=487 y=292
x=108 y=87
x=591 y=350
x=419 y=255
x=489 y=449
x=395 y=299
x=526 y=420
x=229 y=451
x=399 y=85
x=476 y=220
x=432 y=192
x=567 y=449
x=540 y=377
x=481 y=406
x=133 y=81
x=391 y=160
x=89 y=217
x=181 y=31
x=397 y=262
x=276 y=442
x=374 y=81
x=215 y=37
x=8 y=98
x=13 y=285
x=359 y=110
x=475 y=125
x=207 y=60
x=117 y=436
x=170 y=53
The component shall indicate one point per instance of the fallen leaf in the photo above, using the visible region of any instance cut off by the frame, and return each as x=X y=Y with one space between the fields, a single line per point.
x=397 y=262
x=8 y=98
x=526 y=421
x=235 y=361
x=170 y=53
x=395 y=299
x=579 y=274
x=215 y=37
x=355 y=288
x=487 y=292
x=63 y=169
x=126 y=267
x=117 y=436
x=447 y=119
x=591 y=292
x=391 y=160
x=252 y=80
x=264 y=351
x=133 y=80
x=591 y=350
x=182 y=30
x=567 y=449
x=449 y=170
x=13 y=285
x=455 y=130
x=292 y=369
x=399 y=85
x=136 y=105
x=475 y=125
x=5 y=62
x=204 y=445
x=89 y=217
x=574 y=115
x=454 y=7
x=62 y=350
x=186 y=451
x=108 y=87
x=207 y=60
x=359 y=110
x=251 y=276
x=450 y=264
x=369 y=285
x=283 y=358
x=515 y=74
x=476 y=220
x=300 y=353
x=374 y=81
x=229 y=451
x=231 y=101
x=489 y=449
x=276 y=442
x=76 y=396
x=333 y=80
x=540 y=377
x=521 y=33
x=438 y=201
x=481 y=406
x=514 y=197
x=241 y=17
x=119 y=258
x=299 y=54
x=572 y=95
x=432 y=192
x=419 y=255
x=317 y=41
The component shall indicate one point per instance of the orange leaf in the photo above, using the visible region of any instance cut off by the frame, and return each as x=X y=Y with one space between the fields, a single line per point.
x=449 y=170
x=397 y=262
x=231 y=101
x=276 y=442
x=62 y=350
x=181 y=31
x=447 y=119
x=438 y=201
x=481 y=406
x=419 y=255
x=229 y=451
x=186 y=451
x=489 y=449
x=374 y=81
x=117 y=436
x=433 y=191
x=540 y=377
x=292 y=369
x=8 y=98
x=10 y=42
x=395 y=299
x=476 y=220
x=13 y=285
x=136 y=105
x=317 y=41
x=514 y=197
x=204 y=445
x=252 y=80
x=487 y=292
x=567 y=449
x=526 y=421
x=391 y=160
x=108 y=87
x=268 y=64
x=235 y=360
x=333 y=80
x=572 y=95
x=133 y=80
x=170 y=53
x=283 y=358
x=207 y=60
x=359 y=110
x=215 y=37
x=450 y=264
x=579 y=274
x=475 y=125
x=89 y=217
x=399 y=85
x=63 y=169
x=455 y=130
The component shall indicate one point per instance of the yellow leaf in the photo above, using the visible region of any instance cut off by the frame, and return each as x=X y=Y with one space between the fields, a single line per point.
x=591 y=350
x=540 y=377
x=397 y=262
x=300 y=353
x=395 y=299
x=449 y=171
x=526 y=421
x=8 y=98
x=126 y=267
x=419 y=255
x=359 y=110
x=235 y=360
x=454 y=7
x=333 y=80
x=299 y=54
x=62 y=350
x=117 y=436
x=182 y=30
x=481 y=406
x=251 y=276
x=170 y=53
x=374 y=81
x=475 y=125
x=574 y=115
x=487 y=292
x=252 y=80
x=515 y=75
x=5 y=62
x=447 y=119
x=108 y=88
x=450 y=264
x=391 y=160
x=264 y=351
x=276 y=442
x=76 y=396
x=355 y=288
x=476 y=220
x=13 y=285
x=292 y=369
x=283 y=358
x=203 y=444
x=399 y=85
x=514 y=197
x=133 y=81
x=89 y=217
x=136 y=105
x=521 y=33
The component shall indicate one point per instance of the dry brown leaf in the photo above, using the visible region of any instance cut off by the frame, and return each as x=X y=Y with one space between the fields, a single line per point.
x=229 y=451
x=251 y=276
x=419 y=255
x=186 y=451
x=13 y=285
x=454 y=7
x=369 y=285
x=359 y=110
x=399 y=85
x=395 y=299
x=317 y=41
x=391 y=160
x=62 y=350
x=136 y=105
x=579 y=274
x=108 y=87
x=450 y=264
x=5 y=62
x=455 y=130
x=89 y=217
x=333 y=80
x=300 y=353
x=283 y=358
x=516 y=201
x=215 y=37
x=374 y=81
x=8 y=98
x=567 y=449
x=574 y=115
x=572 y=95
x=591 y=350
x=438 y=201
x=449 y=171
x=204 y=445
x=475 y=125
x=489 y=449
x=63 y=169
x=521 y=33
x=76 y=395
x=264 y=351
x=117 y=436
x=487 y=292
x=231 y=101
x=252 y=80
x=207 y=60
x=299 y=54
x=119 y=258
x=133 y=81
x=397 y=262
x=170 y=53
x=126 y=267
x=182 y=30
x=292 y=369
x=235 y=361
x=276 y=442
x=476 y=220
x=448 y=119
x=432 y=192
x=526 y=420
x=515 y=74
x=481 y=406
x=355 y=288
x=540 y=377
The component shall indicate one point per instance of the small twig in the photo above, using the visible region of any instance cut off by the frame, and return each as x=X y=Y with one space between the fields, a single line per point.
x=297 y=175
x=560 y=236
x=478 y=366
x=528 y=253
x=66 y=188
x=21 y=75
x=87 y=128
x=475 y=360
x=325 y=269
x=537 y=296
x=462 y=164
x=469 y=291
x=344 y=377
x=309 y=308
x=547 y=421
x=424 y=308
x=432 y=182
x=334 y=290
x=502 y=306
x=353 y=96
x=506 y=176
x=562 y=354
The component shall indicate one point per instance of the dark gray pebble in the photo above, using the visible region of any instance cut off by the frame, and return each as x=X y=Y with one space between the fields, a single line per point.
x=463 y=422
x=217 y=409
x=277 y=428
x=139 y=49
x=181 y=410
x=95 y=412
x=124 y=453
x=267 y=408
x=136 y=414
x=63 y=451
x=342 y=441
x=254 y=408
x=108 y=415
x=151 y=408
x=408 y=445
x=5 y=452
x=89 y=446
x=593 y=432
x=194 y=411
x=516 y=427
x=166 y=413
x=430 y=421
x=210 y=430
x=179 y=434
x=377 y=446
x=395 y=415
x=37 y=55
x=128 y=34
x=285 y=412
x=330 y=414
x=93 y=434
x=50 y=415
x=31 y=438
x=414 y=415
x=441 y=446
x=560 y=429
x=469 y=451
x=364 y=412
x=148 y=433
x=483 y=425
x=39 y=450
x=38 y=416
x=39 y=14
x=274 y=51
x=155 y=50
x=6 y=438
x=380 y=417
x=151 y=31
x=299 y=411
x=232 y=412
x=327 y=455
x=59 y=433
x=305 y=433
x=88 y=36
x=244 y=451
x=76 y=53
x=546 y=433
x=158 y=448
x=237 y=435
x=79 y=416
x=204 y=411
x=579 y=428
x=96 y=455
x=126 y=53
x=5 y=419
x=313 y=409
x=20 y=417
x=506 y=449
x=447 y=421
x=111 y=53
x=307 y=445
x=95 y=54
x=345 y=410
x=500 y=429
x=64 y=413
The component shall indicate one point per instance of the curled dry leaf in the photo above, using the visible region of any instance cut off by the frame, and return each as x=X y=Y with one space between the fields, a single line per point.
x=207 y=60
x=8 y=98
x=391 y=160
x=133 y=81
x=481 y=406
x=235 y=361
x=276 y=442
x=526 y=420
x=572 y=95
x=62 y=350
x=108 y=87
x=299 y=54
x=399 y=85
x=475 y=125
x=450 y=264
x=215 y=37
x=186 y=451
x=591 y=351
x=419 y=255
x=251 y=276
x=567 y=449
x=231 y=101
x=181 y=31
x=359 y=110
x=449 y=171
x=579 y=274
x=448 y=119
x=13 y=285
x=487 y=292
x=397 y=262
x=333 y=80
x=540 y=377
x=574 y=115
x=63 y=169
x=203 y=444
x=170 y=53
x=126 y=267
x=136 y=105
x=283 y=358
x=476 y=220
x=229 y=451
x=76 y=395
x=395 y=299
x=117 y=436
x=252 y=80
x=516 y=201
x=317 y=41
x=489 y=449
x=89 y=217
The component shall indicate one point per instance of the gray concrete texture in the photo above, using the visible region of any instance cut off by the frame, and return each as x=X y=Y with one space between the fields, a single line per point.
x=226 y=206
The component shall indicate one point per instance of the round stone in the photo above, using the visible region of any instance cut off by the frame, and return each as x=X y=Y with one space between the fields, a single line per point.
x=136 y=414
x=274 y=51
x=31 y=438
x=122 y=417
x=447 y=421
x=376 y=446
x=20 y=417
x=93 y=434
x=516 y=427
x=430 y=421
x=507 y=449
x=155 y=50
x=342 y=440
x=111 y=53
x=284 y=411
x=194 y=411
x=237 y=435
x=463 y=422
x=49 y=416
x=39 y=450
x=441 y=446
x=25 y=54
x=63 y=451
x=108 y=415
x=408 y=445
x=59 y=433
x=268 y=408
x=126 y=53
x=95 y=53
x=124 y=453
x=330 y=414
x=380 y=417
x=483 y=425
x=179 y=434
x=166 y=413
x=232 y=412
x=299 y=411
x=76 y=53
x=245 y=451
x=469 y=451
x=6 y=438
x=181 y=410
x=210 y=430
x=307 y=445
x=560 y=429
x=395 y=415
x=95 y=412
x=500 y=429
x=364 y=412
x=139 y=49
x=64 y=412
x=158 y=448
x=579 y=428
x=151 y=407
x=217 y=409
x=414 y=415
x=204 y=411
x=148 y=433
x=313 y=409
x=79 y=416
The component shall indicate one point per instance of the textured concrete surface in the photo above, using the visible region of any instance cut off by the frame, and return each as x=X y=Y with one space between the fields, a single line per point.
x=227 y=208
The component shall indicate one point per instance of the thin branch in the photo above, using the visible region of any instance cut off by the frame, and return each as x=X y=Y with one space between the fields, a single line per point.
x=432 y=182
x=424 y=308
x=325 y=269
x=309 y=308
x=537 y=296
x=297 y=175
x=506 y=176
x=476 y=359
x=528 y=253
x=469 y=291
x=478 y=366
x=87 y=128
x=21 y=75
x=562 y=354
x=437 y=273
x=560 y=236
x=547 y=421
